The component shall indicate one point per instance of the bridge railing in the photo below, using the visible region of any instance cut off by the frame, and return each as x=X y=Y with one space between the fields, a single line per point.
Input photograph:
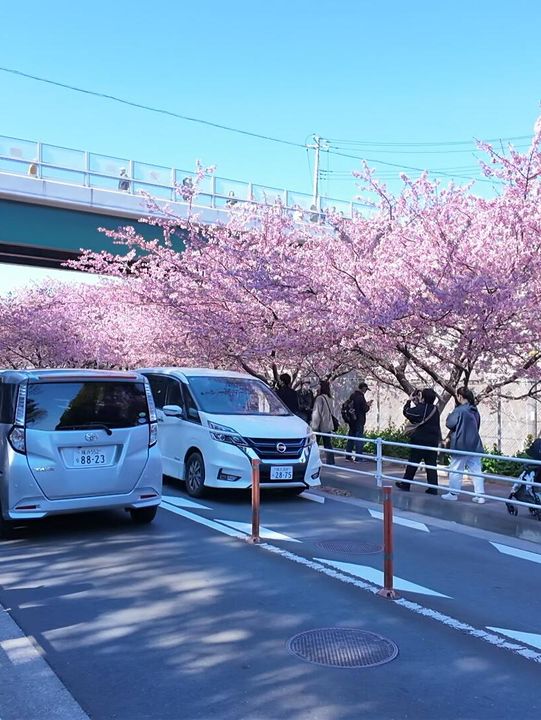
x=86 y=169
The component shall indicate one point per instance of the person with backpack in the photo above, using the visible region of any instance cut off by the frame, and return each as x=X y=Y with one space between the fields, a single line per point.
x=424 y=416
x=464 y=423
x=354 y=414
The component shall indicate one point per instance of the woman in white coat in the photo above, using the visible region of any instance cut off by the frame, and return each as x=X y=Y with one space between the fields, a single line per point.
x=322 y=418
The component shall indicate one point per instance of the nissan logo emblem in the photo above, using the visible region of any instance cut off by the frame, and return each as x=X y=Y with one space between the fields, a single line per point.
x=281 y=447
x=91 y=437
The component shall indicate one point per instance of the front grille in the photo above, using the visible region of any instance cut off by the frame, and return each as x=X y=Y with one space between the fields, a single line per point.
x=267 y=449
x=299 y=471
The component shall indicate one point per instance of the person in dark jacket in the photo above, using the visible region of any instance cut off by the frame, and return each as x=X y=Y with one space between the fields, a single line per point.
x=287 y=395
x=356 y=429
x=422 y=412
x=464 y=423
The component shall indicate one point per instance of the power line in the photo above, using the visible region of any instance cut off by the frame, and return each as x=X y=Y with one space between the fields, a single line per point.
x=403 y=167
x=150 y=108
x=372 y=143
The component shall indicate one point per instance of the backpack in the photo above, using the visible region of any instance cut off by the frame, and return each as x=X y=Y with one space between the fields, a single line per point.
x=348 y=411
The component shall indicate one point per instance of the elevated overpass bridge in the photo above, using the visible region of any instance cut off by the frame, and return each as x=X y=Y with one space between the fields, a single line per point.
x=54 y=199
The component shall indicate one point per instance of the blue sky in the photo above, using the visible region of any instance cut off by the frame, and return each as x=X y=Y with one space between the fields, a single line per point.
x=353 y=70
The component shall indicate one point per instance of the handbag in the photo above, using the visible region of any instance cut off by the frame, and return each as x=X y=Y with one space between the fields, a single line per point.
x=410 y=427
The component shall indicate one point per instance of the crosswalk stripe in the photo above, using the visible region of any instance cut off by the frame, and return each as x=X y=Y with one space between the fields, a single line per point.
x=532 y=639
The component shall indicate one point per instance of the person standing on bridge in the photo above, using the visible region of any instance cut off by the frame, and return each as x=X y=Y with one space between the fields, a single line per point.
x=124 y=183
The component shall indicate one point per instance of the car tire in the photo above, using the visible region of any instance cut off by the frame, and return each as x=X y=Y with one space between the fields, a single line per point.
x=7 y=527
x=144 y=515
x=194 y=476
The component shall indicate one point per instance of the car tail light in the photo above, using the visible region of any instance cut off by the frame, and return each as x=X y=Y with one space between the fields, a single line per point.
x=153 y=434
x=17 y=439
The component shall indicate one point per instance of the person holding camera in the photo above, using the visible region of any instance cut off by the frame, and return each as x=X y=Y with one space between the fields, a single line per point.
x=424 y=429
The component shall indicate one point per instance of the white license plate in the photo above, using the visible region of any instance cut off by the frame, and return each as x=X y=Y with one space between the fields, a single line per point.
x=281 y=472
x=91 y=457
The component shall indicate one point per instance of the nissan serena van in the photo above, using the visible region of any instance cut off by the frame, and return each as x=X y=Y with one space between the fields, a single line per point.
x=74 y=440
x=212 y=423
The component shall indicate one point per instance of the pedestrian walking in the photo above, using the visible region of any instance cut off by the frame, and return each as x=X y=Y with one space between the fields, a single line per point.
x=322 y=418
x=354 y=413
x=231 y=199
x=187 y=189
x=421 y=411
x=287 y=395
x=464 y=423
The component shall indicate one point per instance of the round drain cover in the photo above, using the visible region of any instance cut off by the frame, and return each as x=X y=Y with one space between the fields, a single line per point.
x=353 y=547
x=343 y=647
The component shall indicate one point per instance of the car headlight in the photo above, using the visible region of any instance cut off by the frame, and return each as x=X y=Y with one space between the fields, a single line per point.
x=227 y=435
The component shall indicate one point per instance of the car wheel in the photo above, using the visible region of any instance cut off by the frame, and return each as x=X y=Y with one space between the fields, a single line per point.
x=6 y=527
x=144 y=515
x=195 y=475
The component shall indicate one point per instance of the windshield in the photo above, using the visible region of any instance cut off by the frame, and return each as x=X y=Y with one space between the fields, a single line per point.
x=236 y=396
x=71 y=405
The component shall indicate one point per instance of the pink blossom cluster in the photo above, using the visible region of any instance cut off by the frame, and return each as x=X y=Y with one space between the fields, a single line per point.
x=436 y=285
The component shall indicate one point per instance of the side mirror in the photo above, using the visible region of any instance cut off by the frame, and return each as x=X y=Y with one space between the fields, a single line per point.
x=173 y=411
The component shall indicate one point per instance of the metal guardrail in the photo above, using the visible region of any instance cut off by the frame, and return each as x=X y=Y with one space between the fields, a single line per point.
x=383 y=479
x=85 y=169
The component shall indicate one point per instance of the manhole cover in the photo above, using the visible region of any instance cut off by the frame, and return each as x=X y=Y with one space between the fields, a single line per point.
x=343 y=647
x=353 y=547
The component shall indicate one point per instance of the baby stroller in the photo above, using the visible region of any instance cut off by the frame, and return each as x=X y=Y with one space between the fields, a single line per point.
x=523 y=490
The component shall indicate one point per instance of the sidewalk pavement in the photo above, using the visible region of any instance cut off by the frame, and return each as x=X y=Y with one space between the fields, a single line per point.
x=358 y=480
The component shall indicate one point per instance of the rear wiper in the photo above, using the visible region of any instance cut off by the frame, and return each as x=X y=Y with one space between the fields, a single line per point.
x=87 y=426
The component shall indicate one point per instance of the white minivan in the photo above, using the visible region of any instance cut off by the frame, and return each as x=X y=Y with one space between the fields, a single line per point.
x=212 y=423
x=75 y=440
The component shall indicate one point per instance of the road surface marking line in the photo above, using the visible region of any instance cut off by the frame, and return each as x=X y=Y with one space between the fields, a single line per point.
x=183 y=502
x=376 y=576
x=263 y=531
x=515 y=552
x=314 y=498
x=414 y=607
x=532 y=639
x=204 y=521
x=400 y=521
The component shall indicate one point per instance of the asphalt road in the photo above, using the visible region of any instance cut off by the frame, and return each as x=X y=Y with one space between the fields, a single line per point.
x=185 y=619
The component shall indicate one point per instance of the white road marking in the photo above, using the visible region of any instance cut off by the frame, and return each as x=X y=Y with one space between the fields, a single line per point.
x=400 y=521
x=183 y=502
x=376 y=576
x=522 y=554
x=314 y=498
x=263 y=532
x=447 y=620
x=529 y=638
x=204 y=521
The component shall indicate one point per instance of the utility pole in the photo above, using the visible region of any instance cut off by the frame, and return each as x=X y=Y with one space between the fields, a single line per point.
x=315 y=187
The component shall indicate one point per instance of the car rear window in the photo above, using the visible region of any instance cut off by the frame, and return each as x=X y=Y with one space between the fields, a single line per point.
x=71 y=405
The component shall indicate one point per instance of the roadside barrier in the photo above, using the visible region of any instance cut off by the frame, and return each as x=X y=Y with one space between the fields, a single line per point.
x=256 y=502
x=386 y=481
